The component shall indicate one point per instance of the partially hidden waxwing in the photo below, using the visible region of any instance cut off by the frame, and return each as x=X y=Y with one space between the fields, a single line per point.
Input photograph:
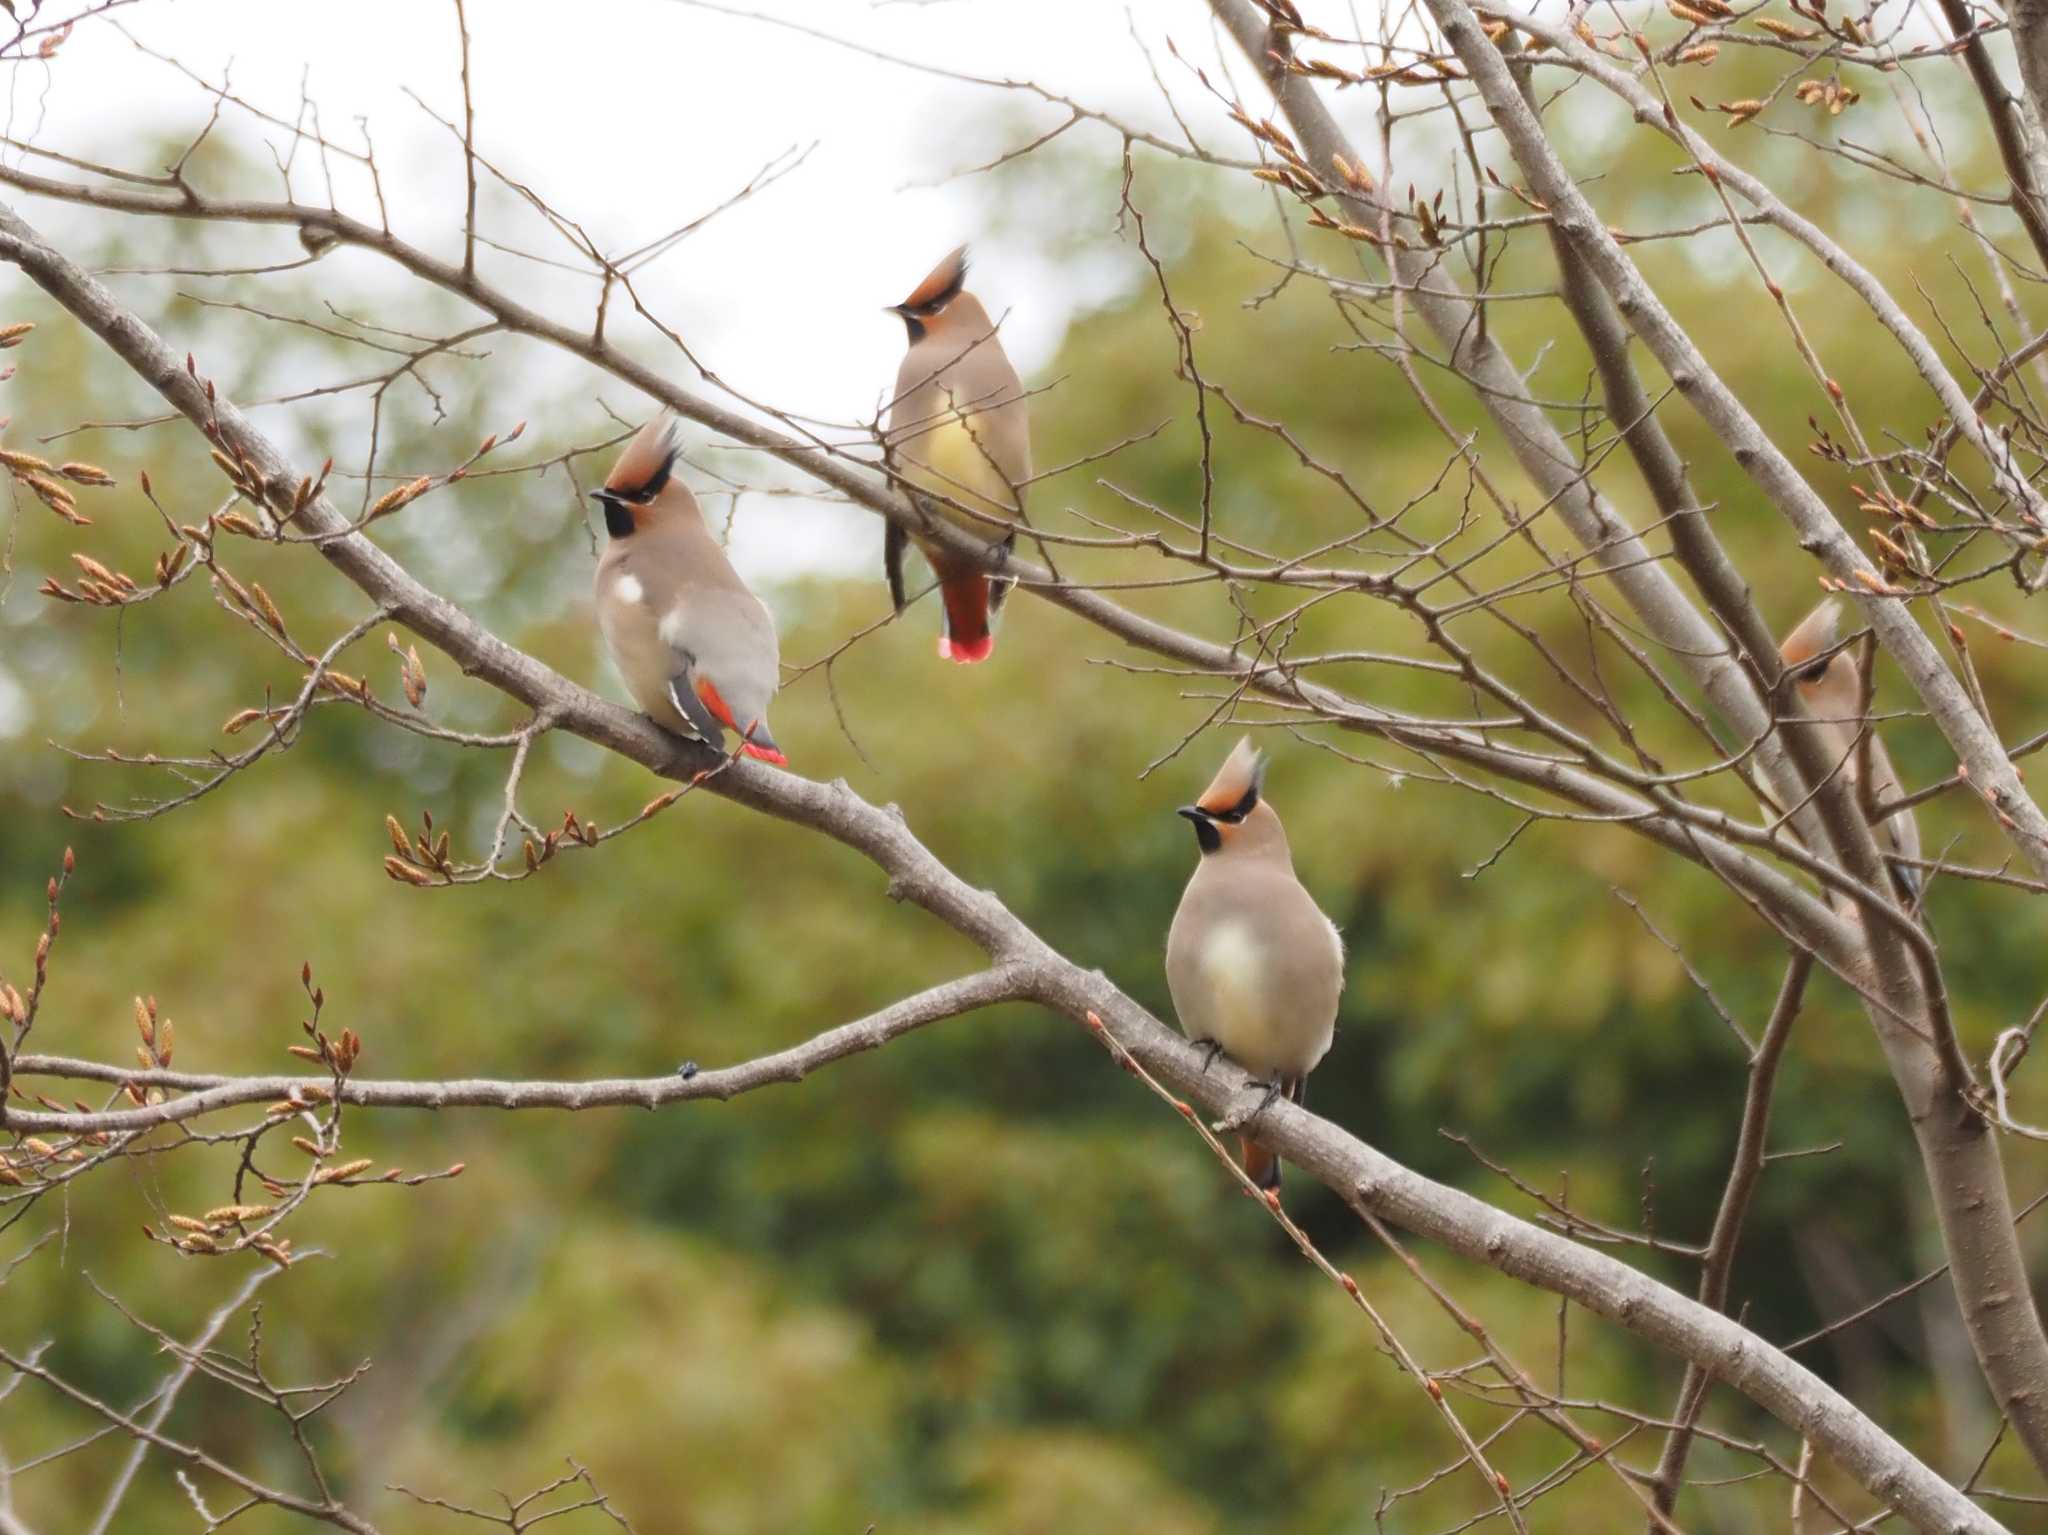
x=1832 y=691
x=696 y=648
x=1253 y=964
x=959 y=430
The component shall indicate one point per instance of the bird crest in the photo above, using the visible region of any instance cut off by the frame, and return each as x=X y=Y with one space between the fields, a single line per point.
x=643 y=470
x=940 y=288
x=1234 y=792
x=1815 y=634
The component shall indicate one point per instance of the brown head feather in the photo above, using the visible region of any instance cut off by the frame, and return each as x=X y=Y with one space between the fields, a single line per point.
x=1816 y=632
x=643 y=469
x=1243 y=773
x=940 y=288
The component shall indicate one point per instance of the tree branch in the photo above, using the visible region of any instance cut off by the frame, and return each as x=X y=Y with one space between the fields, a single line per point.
x=1598 y=1283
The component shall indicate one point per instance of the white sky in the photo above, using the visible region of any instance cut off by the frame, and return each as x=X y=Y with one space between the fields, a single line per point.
x=633 y=116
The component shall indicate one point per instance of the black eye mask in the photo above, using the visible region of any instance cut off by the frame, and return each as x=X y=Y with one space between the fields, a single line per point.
x=1241 y=809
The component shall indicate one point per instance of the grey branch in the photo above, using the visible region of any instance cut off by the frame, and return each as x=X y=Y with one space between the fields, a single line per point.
x=1025 y=964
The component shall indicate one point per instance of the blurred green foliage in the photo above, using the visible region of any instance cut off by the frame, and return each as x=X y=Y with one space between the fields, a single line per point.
x=979 y=1281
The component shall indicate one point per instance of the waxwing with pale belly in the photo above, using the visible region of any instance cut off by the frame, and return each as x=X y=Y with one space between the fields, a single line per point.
x=960 y=433
x=1254 y=966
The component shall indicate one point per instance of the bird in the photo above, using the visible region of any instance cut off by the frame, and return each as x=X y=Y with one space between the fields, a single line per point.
x=959 y=431
x=695 y=646
x=1831 y=686
x=1253 y=965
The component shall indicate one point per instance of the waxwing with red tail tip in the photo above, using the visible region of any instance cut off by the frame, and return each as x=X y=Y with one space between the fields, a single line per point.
x=960 y=434
x=1254 y=966
x=695 y=646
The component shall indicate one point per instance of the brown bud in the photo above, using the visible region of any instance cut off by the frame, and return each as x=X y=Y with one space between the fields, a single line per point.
x=85 y=474
x=237 y=1213
x=414 y=677
x=406 y=873
x=266 y=607
x=13 y=335
x=23 y=463
x=392 y=500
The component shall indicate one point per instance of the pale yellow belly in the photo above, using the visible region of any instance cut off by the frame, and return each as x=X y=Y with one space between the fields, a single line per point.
x=1241 y=1007
x=952 y=461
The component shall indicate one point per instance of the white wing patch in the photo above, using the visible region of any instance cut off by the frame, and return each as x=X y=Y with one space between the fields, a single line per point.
x=628 y=590
x=671 y=628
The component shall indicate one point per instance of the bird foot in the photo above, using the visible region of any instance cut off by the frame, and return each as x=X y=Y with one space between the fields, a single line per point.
x=1238 y=1118
x=1210 y=1048
x=687 y=1070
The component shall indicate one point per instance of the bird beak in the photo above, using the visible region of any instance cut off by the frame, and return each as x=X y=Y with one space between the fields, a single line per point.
x=895 y=309
x=602 y=495
x=1207 y=833
x=1193 y=812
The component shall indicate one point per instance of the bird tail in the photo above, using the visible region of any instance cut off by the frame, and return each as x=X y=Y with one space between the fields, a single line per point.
x=966 y=636
x=1261 y=1166
x=754 y=738
x=761 y=745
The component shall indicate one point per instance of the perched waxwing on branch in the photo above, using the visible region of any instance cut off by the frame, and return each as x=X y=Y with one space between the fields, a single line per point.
x=1253 y=964
x=959 y=431
x=696 y=648
x=1832 y=690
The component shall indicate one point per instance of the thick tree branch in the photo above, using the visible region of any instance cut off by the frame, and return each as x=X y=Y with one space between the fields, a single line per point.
x=1693 y=644
x=1966 y=1176
x=1598 y=1283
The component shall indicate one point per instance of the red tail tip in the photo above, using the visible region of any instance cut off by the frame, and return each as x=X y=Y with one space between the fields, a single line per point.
x=765 y=754
x=967 y=652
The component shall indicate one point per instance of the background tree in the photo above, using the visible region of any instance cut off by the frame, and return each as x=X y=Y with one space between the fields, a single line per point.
x=1476 y=410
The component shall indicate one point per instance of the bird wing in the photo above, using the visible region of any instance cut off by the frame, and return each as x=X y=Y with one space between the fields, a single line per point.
x=725 y=638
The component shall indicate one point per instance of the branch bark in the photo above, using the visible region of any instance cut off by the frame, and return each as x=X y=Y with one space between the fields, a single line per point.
x=1965 y=1173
